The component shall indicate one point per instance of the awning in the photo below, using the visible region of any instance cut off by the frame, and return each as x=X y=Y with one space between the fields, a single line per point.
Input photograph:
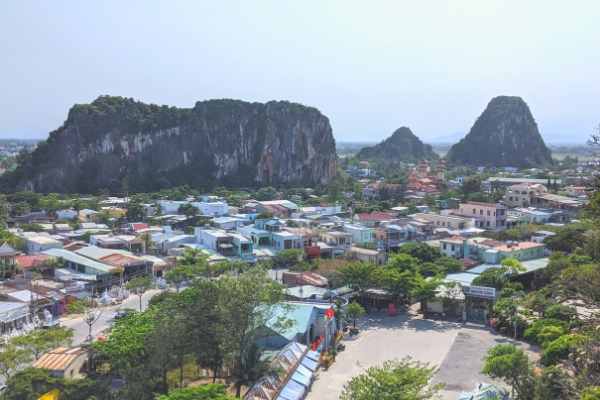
x=313 y=355
x=309 y=364
x=301 y=379
x=304 y=371
x=292 y=391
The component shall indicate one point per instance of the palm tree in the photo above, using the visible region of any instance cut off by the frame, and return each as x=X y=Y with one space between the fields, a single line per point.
x=250 y=368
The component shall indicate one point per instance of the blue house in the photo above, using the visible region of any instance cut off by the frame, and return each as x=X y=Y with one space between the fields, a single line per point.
x=298 y=322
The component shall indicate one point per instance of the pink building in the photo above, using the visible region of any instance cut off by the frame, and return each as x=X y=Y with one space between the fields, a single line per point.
x=490 y=216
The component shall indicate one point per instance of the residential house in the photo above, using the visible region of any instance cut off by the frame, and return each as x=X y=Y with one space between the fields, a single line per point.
x=395 y=235
x=13 y=316
x=228 y=223
x=128 y=264
x=242 y=246
x=491 y=216
x=278 y=208
x=307 y=323
x=520 y=195
x=339 y=241
x=453 y=246
x=555 y=201
x=81 y=268
x=531 y=215
x=38 y=242
x=373 y=256
x=217 y=240
x=260 y=237
x=87 y=215
x=284 y=240
x=447 y=221
x=374 y=218
x=66 y=214
x=124 y=242
x=361 y=235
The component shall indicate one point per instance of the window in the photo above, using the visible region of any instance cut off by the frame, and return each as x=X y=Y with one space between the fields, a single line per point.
x=488 y=213
x=481 y=212
x=474 y=212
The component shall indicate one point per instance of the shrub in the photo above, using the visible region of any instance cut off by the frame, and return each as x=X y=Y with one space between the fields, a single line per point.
x=532 y=333
x=560 y=312
x=560 y=348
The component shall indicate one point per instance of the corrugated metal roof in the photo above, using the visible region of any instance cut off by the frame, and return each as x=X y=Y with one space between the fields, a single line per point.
x=79 y=259
x=59 y=359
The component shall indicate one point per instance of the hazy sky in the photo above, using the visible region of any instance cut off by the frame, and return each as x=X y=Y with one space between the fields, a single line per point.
x=370 y=66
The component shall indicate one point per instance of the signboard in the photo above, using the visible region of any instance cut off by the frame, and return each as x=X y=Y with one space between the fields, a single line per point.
x=483 y=292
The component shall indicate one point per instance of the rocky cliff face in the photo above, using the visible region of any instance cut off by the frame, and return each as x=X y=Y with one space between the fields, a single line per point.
x=403 y=145
x=506 y=134
x=116 y=141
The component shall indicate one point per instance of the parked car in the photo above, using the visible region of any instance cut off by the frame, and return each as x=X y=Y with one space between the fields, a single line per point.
x=122 y=313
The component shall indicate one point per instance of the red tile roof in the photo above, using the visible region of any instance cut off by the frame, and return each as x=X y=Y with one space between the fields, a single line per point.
x=375 y=216
x=27 y=262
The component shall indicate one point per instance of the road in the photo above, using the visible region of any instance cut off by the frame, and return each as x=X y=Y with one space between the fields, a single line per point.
x=80 y=328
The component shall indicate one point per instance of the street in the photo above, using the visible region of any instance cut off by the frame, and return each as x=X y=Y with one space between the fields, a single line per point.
x=80 y=328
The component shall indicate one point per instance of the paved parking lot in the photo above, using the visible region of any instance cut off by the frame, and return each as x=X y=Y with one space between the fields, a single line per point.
x=461 y=369
x=384 y=338
x=457 y=350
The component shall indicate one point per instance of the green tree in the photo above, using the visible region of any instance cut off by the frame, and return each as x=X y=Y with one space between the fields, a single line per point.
x=421 y=251
x=394 y=380
x=511 y=364
x=204 y=392
x=246 y=305
x=178 y=275
x=358 y=275
x=492 y=277
x=12 y=357
x=39 y=341
x=127 y=352
x=288 y=258
x=29 y=383
x=140 y=285
x=354 y=311
x=512 y=266
x=566 y=239
x=266 y=193
x=135 y=210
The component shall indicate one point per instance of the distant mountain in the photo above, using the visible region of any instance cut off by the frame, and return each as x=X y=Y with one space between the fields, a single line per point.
x=403 y=145
x=445 y=139
x=505 y=134
x=117 y=141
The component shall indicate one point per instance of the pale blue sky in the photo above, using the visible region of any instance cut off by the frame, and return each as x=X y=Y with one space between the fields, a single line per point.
x=369 y=66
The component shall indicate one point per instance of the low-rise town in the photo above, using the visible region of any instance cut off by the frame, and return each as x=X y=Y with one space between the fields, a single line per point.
x=77 y=263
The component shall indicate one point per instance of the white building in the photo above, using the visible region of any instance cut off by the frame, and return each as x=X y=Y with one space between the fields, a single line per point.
x=214 y=208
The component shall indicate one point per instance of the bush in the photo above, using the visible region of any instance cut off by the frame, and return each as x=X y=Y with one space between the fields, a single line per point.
x=560 y=348
x=561 y=312
x=591 y=393
x=532 y=333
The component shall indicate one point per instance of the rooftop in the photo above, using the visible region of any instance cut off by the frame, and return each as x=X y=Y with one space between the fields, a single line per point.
x=59 y=359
